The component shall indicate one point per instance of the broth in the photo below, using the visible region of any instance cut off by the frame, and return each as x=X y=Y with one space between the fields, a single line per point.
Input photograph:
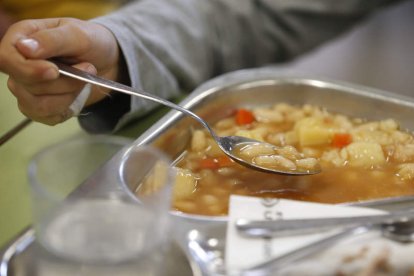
x=360 y=160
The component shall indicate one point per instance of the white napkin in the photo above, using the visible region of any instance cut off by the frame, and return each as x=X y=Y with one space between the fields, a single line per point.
x=79 y=102
x=350 y=257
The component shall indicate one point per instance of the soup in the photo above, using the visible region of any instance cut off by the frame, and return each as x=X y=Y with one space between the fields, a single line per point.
x=360 y=160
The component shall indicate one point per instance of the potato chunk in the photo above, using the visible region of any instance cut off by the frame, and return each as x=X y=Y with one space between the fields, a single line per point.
x=364 y=154
x=404 y=153
x=406 y=171
x=185 y=184
x=314 y=131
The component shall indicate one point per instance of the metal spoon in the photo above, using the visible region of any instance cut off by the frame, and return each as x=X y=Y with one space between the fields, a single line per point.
x=227 y=144
x=400 y=232
x=206 y=249
x=290 y=227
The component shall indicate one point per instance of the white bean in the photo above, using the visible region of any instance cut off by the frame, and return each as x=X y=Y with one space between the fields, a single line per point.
x=274 y=161
x=289 y=152
x=253 y=150
x=210 y=200
x=198 y=141
x=307 y=163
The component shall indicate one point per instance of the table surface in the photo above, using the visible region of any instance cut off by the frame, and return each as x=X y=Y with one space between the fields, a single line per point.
x=15 y=209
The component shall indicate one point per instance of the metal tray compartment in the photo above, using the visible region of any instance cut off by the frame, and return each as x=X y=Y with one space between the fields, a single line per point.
x=253 y=88
x=212 y=101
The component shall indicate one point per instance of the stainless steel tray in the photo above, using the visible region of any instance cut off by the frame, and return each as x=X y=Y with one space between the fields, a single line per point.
x=212 y=101
x=261 y=87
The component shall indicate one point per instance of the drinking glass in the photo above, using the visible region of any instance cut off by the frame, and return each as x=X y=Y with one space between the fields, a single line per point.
x=97 y=221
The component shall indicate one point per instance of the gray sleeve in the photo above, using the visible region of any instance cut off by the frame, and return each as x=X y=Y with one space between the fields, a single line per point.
x=171 y=46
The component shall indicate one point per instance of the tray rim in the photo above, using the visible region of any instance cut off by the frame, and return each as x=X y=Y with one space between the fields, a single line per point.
x=250 y=77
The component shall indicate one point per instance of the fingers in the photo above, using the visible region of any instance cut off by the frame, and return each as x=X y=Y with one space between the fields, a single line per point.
x=61 y=37
x=48 y=102
x=42 y=93
x=68 y=38
x=45 y=108
x=11 y=60
x=27 y=45
x=62 y=85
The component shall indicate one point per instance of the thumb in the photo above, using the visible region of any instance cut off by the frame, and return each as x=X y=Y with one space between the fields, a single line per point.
x=68 y=38
x=28 y=47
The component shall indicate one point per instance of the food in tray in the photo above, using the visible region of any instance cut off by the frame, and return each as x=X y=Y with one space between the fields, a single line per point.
x=360 y=159
x=285 y=158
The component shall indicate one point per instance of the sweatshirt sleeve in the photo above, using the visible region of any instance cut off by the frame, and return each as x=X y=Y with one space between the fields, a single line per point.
x=171 y=46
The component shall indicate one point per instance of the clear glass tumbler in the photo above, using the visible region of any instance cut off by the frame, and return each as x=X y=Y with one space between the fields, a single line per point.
x=86 y=221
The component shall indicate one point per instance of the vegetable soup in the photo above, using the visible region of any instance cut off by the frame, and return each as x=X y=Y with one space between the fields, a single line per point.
x=360 y=160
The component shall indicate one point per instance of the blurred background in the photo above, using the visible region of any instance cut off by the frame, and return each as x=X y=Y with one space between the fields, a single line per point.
x=15 y=213
x=379 y=53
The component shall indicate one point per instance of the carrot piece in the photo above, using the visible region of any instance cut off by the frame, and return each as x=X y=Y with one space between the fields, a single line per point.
x=225 y=161
x=209 y=163
x=244 y=117
x=341 y=140
x=215 y=163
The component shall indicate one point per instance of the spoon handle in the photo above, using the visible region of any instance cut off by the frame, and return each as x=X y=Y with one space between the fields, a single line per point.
x=75 y=73
x=271 y=266
x=277 y=228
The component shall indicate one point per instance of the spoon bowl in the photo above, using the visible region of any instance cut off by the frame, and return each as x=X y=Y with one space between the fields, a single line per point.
x=228 y=144
x=231 y=144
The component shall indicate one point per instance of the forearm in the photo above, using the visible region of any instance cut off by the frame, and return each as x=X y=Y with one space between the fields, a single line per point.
x=174 y=45
x=192 y=40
